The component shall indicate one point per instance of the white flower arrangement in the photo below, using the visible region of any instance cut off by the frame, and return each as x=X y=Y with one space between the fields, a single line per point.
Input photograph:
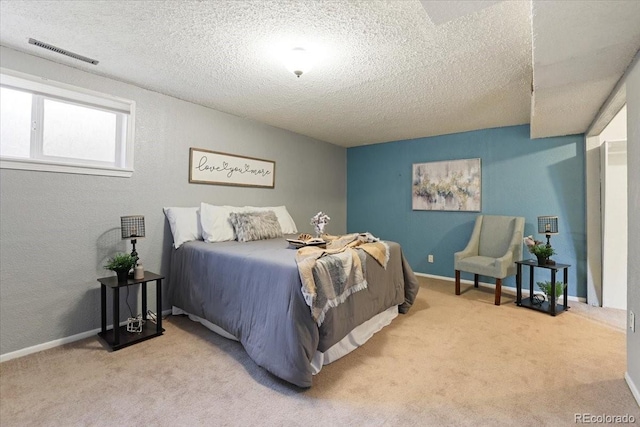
x=319 y=221
x=531 y=242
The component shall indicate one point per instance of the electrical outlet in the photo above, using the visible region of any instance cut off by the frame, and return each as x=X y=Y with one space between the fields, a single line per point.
x=632 y=321
x=430 y=258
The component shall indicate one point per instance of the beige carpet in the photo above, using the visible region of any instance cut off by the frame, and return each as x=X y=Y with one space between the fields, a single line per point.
x=450 y=361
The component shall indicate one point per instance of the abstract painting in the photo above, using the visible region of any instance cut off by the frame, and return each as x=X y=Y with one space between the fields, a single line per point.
x=451 y=185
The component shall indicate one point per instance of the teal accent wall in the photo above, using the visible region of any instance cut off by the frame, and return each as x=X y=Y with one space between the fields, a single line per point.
x=520 y=176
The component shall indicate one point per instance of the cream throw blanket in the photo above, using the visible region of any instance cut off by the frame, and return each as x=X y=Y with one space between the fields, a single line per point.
x=330 y=275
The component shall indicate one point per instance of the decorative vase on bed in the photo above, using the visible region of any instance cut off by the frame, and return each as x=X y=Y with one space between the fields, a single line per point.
x=319 y=221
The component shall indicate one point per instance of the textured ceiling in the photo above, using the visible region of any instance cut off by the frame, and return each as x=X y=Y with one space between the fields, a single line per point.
x=385 y=70
x=579 y=54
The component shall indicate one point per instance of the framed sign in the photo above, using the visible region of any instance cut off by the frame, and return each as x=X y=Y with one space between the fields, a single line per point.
x=212 y=167
x=452 y=185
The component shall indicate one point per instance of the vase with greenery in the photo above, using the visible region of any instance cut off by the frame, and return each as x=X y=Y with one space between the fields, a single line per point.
x=121 y=263
x=543 y=253
x=547 y=287
x=539 y=249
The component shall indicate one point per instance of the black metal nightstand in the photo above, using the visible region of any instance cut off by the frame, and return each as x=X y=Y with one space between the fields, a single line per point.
x=546 y=306
x=118 y=337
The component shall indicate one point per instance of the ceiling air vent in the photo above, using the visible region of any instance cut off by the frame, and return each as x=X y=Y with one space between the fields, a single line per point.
x=62 y=51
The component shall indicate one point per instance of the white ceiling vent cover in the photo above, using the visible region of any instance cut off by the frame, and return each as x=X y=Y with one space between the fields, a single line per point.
x=62 y=51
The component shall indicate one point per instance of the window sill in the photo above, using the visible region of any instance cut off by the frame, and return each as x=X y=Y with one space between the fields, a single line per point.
x=43 y=166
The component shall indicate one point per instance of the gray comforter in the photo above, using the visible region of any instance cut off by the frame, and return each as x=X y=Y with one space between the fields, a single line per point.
x=253 y=291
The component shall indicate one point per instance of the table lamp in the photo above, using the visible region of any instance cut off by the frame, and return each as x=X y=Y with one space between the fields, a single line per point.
x=132 y=227
x=548 y=225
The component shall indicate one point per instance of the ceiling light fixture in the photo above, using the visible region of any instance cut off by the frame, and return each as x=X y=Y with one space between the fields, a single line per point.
x=298 y=61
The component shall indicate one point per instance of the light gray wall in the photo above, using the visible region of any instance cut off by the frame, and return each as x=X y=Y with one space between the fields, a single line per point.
x=633 y=255
x=56 y=230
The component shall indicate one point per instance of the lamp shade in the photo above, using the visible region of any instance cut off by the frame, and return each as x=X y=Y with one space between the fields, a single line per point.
x=132 y=226
x=548 y=224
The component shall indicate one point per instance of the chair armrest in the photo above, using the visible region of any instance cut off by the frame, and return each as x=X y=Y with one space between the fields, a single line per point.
x=472 y=246
x=465 y=253
x=505 y=261
x=509 y=256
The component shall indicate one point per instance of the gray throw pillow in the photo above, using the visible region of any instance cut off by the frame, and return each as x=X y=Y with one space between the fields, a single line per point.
x=255 y=225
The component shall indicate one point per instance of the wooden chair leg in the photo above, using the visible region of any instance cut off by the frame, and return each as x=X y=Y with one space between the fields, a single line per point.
x=498 y=291
x=457 y=282
x=475 y=280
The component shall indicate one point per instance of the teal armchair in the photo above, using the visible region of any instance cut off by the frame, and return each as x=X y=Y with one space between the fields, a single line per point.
x=495 y=244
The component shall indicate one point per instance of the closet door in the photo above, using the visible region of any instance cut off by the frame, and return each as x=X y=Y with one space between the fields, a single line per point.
x=613 y=187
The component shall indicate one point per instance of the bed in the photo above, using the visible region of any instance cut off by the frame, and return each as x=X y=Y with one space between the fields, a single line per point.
x=251 y=291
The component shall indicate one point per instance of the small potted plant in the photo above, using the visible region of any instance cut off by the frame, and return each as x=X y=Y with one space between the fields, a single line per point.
x=539 y=249
x=121 y=263
x=547 y=287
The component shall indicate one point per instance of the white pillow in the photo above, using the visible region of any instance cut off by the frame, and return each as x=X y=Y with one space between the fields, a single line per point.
x=287 y=224
x=185 y=224
x=216 y=226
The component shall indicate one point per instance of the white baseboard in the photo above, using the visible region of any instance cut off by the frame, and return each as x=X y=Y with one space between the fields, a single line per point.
x=47 y=345
x=634 y=390
x=507 y=289
x=58 y=342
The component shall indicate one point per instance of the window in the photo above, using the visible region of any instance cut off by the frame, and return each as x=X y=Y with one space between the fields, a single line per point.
x=51 y=126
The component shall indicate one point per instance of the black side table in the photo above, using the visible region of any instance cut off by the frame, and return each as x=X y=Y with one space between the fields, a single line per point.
x=118 y=337
x=547 y=306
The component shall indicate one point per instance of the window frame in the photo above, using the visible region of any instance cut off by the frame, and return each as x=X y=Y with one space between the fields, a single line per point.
x=42 y=89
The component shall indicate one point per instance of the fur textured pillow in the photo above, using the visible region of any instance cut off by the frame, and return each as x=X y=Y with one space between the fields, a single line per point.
x=255 y=225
